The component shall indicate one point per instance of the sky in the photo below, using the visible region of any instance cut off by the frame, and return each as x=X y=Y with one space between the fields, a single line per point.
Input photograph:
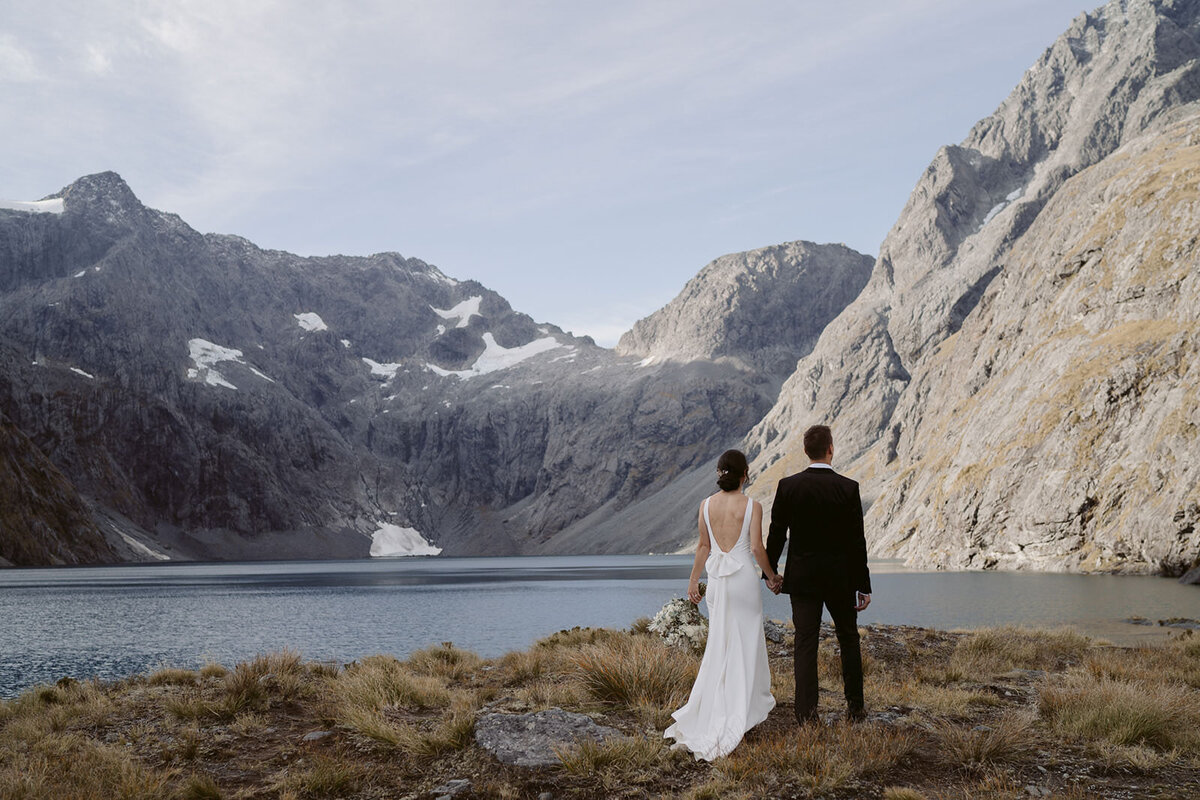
x=584 y=158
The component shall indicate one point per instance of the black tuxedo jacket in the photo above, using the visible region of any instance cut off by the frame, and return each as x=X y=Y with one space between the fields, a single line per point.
x=819 y=514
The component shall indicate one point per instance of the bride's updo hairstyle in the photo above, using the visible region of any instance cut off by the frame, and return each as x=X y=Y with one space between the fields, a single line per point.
x=731 y=466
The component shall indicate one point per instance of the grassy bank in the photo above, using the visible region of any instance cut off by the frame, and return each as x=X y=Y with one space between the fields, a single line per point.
x=1001 y=713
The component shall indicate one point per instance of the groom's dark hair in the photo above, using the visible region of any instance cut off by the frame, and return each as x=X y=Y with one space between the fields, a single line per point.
x=817 y=441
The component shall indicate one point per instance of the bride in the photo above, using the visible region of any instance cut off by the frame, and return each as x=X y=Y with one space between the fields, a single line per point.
x=732 y=692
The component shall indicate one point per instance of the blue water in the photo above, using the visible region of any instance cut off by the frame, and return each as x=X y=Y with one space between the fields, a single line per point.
x=115 y=621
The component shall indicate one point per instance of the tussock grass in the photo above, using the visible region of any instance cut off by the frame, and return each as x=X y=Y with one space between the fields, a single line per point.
x=576 y=637
x=553 y=692
x=324 y=778
x=72 y=766
x=173 y=676
x=818 y=758
x=717 y=788
x=524 y=666
x=636 y=671
x=213 y=670
x=200 y=787
x=933 y=699
x=1171 y=663
x=902 y=793
x=625 y=759
x=1160 y=716
x=381 y=681
x=1139 y=758
x=446 y=661
x=992 y=651
x=1008 y=738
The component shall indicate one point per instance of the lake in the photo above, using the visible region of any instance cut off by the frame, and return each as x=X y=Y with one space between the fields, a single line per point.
x=115 y=621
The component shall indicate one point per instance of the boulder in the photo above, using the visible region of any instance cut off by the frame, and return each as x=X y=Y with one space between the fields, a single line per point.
x=531 y=740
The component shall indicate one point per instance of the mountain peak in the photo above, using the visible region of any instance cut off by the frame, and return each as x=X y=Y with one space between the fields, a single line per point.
x=106 y=191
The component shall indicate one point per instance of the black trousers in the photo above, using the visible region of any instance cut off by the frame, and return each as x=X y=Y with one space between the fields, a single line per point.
x=806 y=615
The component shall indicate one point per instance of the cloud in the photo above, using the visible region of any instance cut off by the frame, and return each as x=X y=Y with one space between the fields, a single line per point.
x=17 y=64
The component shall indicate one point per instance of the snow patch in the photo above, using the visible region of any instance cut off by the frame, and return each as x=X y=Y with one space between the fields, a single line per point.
x=996 y=209
x=645 y=362
x=441 y=277
x=346 y=343
x=1015 y=193
x=462 y=312
x=386 y=371
x=54 y=206
x=311 y=321
x=81 y=273
x=78 y=371
x=495 y=357
x=392 y=540
x=206 y=355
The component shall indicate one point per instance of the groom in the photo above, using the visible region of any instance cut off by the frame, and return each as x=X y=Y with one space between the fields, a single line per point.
x=826 y=565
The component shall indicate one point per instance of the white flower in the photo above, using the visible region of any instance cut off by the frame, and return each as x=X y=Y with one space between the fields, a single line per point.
x=681 y=624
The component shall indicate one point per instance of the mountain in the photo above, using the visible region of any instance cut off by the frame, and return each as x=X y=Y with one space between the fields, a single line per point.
x=171 y=394
x=764 y=308
x=1012 y=385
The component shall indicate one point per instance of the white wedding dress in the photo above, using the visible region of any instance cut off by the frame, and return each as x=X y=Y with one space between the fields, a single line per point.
x=732 y=692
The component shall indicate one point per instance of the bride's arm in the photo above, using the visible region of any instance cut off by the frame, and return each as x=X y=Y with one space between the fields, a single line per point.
x=702 y=549
x=756 y=544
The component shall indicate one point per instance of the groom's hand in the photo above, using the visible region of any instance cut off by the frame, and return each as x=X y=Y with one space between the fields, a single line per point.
x=864 y=600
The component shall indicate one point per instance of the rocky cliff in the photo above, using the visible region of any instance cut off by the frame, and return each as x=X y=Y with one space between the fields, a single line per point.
x=1011 y=384
x=764 y=308
x=195 y=396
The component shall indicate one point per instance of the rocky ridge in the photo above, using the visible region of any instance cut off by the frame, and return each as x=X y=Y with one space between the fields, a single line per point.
x=205 y=398
x=764 y=308
x=979 y=293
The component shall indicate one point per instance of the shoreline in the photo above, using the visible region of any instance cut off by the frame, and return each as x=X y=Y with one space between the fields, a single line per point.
x=988 y=713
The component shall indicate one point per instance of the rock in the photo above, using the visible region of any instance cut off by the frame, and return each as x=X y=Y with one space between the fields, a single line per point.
x=1017 y=338
x=766 y=307
x=452 y=788
x=1191 y=576
x=1181 y=622
x=774 y=631
x=528 y=740
x=314 y=736
x=1137 y=621
x=302 y=403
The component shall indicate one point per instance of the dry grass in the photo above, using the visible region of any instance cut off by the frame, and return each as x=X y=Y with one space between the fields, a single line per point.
x=625 y=759
x=172 y=676
x=1128 y=719
x=446 y=661
x=636 y=671
x=993 y=651
x=902 y=793
x=212 y=670
x=933 y=699
x=200 y=787
x=324 y=778
x=69 y=765
x=1161 y=716
x=1006 y=739
x=381 y=681
x=817 y=758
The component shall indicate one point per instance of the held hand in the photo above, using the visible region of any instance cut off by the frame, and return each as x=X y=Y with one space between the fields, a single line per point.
x=864 y=600
x=694 y=592
x=775 y=583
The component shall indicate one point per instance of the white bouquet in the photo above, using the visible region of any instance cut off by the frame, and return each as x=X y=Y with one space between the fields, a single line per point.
x=681 y=624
